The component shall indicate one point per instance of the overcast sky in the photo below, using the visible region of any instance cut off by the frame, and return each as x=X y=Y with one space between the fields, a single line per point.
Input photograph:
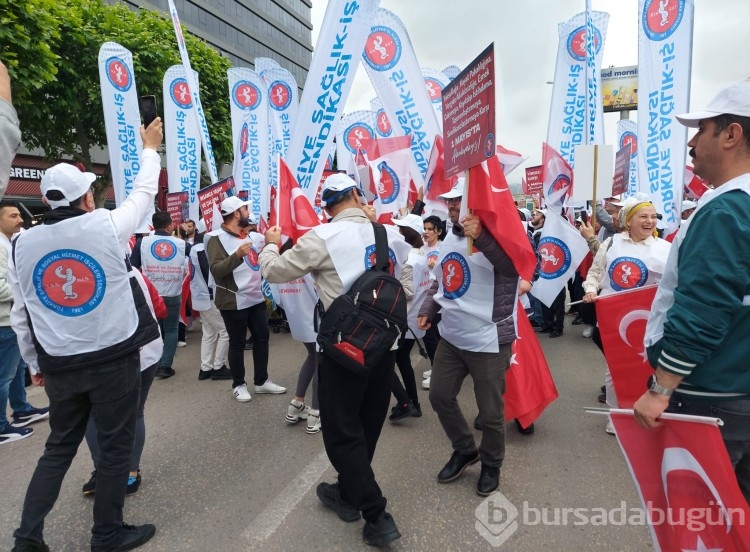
x=450 y=32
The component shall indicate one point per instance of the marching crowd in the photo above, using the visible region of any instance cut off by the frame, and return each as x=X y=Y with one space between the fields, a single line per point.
x=96 y=321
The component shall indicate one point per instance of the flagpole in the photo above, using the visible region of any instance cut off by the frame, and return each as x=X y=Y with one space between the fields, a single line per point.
x=596 y=170
x=278 y=195
x=469 y=240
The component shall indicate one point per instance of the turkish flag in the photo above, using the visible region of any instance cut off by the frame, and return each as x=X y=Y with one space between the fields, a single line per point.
x=185 y=300
x=686 y=482
x=436 y=182
x=491 y=200
x=695 y=186
x=296 y=215
x=262 y=224
x=558 y=179
x=509 y=160
x=622 y=321
x=529 y=387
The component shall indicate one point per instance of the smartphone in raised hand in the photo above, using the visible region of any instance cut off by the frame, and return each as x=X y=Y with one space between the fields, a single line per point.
x=147 y=106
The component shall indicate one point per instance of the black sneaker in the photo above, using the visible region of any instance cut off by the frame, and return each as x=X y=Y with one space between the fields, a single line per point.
x=417 y=410
x=381 y=531
x=330 y=495
x=524 y=430
x=164 y=372
x=222 y=373
x=134 y=482
x=402 y=411
x=89 y=488
x=129 y=537
x=29 y=546
x=204 y=375
x=11 y=433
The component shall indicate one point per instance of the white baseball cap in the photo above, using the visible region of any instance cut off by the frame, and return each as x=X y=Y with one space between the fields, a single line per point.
x=68 y=180
x=410 y=221
x=733 y=100
x=688 y=204
x=456 y=191
x=231 y=204
x=335 y=185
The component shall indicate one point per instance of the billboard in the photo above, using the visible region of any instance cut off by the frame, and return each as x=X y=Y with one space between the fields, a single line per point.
x=620 y=88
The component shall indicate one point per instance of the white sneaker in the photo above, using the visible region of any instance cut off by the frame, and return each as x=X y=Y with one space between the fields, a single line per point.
x=426 y=374
x=181 y=344
x=588 y=330
x=313 y=421
x=610 y=428
x=241 y=394
x=426 y=383
x=270 y=388
x=296 y=412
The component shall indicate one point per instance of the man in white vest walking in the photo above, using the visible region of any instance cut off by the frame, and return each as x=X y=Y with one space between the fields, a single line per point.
x=81 y=320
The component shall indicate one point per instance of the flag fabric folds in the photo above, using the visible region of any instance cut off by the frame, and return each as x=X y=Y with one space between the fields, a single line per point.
x=295 y=213
x=558 y=179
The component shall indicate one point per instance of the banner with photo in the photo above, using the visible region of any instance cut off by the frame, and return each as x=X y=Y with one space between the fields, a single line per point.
x=335 y=59
x=182 y=138
x=395 y=74
x=249 y=112
x=665 y=44
x=568 y=111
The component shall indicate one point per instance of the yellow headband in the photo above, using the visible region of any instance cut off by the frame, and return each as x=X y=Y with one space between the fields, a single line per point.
x=635 y=207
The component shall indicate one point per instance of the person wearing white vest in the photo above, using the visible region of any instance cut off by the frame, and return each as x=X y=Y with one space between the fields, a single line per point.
x=215 y=341
x=477 y=296
x=233 y=257
x=352 y=406
x=81 y=320
x=163 y=260
x=697 y=334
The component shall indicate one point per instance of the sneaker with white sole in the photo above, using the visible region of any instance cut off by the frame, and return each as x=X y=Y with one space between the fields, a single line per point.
x=10 y=434
x=241 y=393
x=270 y=388
x=22 y=419
x=426 y=374
x=181 y=344
x=426 y=383
x=296 y=411
x=610 y=429
x=588 y=330
x=313 y=421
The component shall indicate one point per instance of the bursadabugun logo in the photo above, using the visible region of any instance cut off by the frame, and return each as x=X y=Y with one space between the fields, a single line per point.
x=496 y=519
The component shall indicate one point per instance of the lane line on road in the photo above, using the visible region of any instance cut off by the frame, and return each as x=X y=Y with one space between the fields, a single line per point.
x=276 y=512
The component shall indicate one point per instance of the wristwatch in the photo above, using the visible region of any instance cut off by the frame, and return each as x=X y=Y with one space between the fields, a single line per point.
x=654 y=387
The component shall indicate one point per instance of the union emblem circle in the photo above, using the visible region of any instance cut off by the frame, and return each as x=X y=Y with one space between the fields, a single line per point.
x=434 y=89
x=246 y=95
x=371 y=258
x=383 y=124
x=627 y=273
x=191 y=268
x=280 y=95
x=562 y=182
x=556 y=257
x=118 y=74
x=489 y=145
x=389 y=186
x=163 y=250
x=180 y=93
x=383 y=48
x=660 y=22
x=358 y=137
x=629 y=137
x=251 y=260
x=69 y=282
x=577 y=43
x=456 y=275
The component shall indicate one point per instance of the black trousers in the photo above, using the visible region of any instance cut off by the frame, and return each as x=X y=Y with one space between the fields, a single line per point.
x=237 y=323
x=554 y=316
x=352 y=411
x=109 y=393
x=408 y=391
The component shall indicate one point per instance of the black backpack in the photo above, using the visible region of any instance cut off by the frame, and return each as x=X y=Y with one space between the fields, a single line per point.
x=360 y=327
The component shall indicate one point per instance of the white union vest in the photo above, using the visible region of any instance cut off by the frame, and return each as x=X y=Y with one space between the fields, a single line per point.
x=247 y=274
x=163 y=263
x=631 y=266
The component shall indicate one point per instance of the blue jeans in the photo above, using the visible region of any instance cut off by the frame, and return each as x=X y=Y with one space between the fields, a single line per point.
x=169 y=329
x=110 y=393
x=12 y=376
x=735 y=431
x=536 y=306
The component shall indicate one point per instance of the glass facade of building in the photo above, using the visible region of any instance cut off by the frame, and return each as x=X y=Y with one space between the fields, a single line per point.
x=245 y=29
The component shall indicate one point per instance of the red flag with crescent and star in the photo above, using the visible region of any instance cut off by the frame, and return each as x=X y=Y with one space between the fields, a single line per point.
x=529 y=387
x=686 y=482
x=622 y=321
x=296 y=215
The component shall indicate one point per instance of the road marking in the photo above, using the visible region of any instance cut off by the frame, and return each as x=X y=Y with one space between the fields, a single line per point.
x=276 y=512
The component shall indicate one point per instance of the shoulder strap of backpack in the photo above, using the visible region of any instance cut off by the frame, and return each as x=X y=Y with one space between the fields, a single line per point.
x=381 y=247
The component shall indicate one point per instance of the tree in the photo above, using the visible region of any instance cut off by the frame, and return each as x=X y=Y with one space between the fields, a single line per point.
x=69 y=120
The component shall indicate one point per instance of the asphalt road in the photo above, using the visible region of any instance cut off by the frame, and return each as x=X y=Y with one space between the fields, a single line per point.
x=221 y=475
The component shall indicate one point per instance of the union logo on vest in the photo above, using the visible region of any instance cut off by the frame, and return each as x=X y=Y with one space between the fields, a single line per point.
x=661 y=19
x=556 y=257
x=370 y=258
x=180 y=93
x=163 y=250
x=456 y=275
x=118 y=74
x=251 y=260
x=69 y=282
x=627 y=273
x=280 y=95
x=383 y=48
